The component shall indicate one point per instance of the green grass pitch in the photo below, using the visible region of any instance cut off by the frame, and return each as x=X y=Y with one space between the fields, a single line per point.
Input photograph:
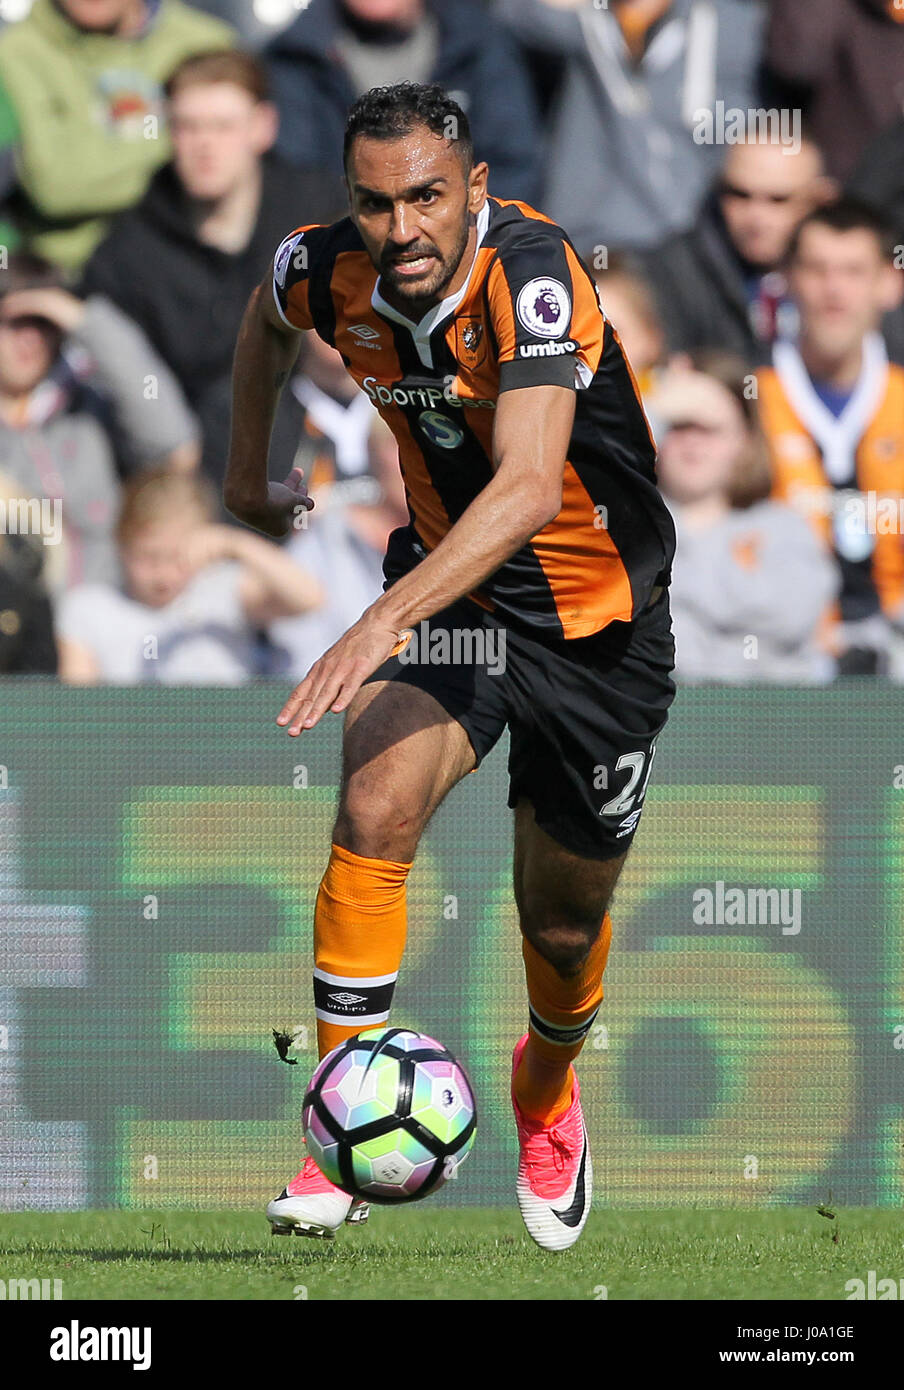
x=426 y=1253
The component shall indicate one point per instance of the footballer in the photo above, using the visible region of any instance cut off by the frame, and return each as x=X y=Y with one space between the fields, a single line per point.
x=528 y=465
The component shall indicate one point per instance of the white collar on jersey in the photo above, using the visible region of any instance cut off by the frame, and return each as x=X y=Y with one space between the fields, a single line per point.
x=837 y=437
x=421 y=332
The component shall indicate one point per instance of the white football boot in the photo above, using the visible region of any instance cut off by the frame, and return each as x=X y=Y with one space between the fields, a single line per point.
x=310 y=1205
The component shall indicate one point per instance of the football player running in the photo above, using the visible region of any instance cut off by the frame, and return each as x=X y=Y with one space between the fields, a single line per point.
x=536 y=525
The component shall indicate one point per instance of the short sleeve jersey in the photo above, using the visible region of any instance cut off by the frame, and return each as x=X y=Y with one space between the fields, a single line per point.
x=528 y=315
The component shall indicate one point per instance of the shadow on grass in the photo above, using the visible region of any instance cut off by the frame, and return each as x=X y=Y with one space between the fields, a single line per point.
x=299 y=1250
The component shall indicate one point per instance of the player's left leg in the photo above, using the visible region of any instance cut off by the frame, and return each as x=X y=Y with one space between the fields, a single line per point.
x=562 y=902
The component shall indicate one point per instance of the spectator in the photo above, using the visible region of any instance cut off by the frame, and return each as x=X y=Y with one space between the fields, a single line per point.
x=630 y=306
x=739 y=554
x=879 y=182
x=842 y=60
x=833 y=411
x=342 y=546
x=331 y=421
x=208 y=225
x=26 y=621
x=83 y=399
x=623 y=168
x=722 y=284
x=193 y=595
x=337 y=49
x=83 y=79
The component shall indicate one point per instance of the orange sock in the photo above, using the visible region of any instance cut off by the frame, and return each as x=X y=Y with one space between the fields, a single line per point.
x=360 y=923
x=561 y=1015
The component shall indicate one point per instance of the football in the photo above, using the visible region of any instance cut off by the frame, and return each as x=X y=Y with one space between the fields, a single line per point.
x=389 y=1115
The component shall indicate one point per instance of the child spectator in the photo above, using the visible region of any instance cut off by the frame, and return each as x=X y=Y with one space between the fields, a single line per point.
x=751 y=584
x=193 y=596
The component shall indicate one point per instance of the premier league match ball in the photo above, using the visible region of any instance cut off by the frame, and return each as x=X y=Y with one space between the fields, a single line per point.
x=389 y=1115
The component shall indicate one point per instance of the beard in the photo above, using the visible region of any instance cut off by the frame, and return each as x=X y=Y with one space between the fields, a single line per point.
x=427 y=287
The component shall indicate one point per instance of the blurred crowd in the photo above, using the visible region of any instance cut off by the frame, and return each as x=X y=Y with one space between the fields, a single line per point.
x=730 y=171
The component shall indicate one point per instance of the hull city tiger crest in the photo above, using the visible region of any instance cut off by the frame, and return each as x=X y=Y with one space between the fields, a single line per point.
x=470 y=341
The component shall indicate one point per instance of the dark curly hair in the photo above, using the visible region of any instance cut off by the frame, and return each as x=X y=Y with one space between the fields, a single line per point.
x=390 y=113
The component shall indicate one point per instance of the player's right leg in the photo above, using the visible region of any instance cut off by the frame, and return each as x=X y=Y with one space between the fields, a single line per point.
x=401 y=754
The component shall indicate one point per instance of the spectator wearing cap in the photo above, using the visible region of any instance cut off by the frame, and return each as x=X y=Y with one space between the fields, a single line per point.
x=338 y=49
x=623 y=168
x=84 y=400
x=207 y=226
x=82 y=80
x=723 y=284
x=832 y=408
x=751 y=585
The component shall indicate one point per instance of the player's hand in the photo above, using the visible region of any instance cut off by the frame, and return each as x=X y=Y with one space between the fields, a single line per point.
x=282 y=509
x=336 y=678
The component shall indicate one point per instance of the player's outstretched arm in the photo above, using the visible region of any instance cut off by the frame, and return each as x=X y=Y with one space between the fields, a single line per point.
x=264 y=357
x=530 y=443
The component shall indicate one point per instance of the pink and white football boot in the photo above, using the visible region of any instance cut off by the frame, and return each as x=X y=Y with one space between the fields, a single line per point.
x=311 y=1205
x=555 y=1174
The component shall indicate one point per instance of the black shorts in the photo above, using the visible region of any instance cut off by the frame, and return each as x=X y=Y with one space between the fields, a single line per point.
x=583 y=715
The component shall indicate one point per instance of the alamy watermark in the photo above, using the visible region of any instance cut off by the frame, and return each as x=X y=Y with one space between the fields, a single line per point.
x=457 y=646
x=748 y=907
x=732 y=125
x=27 y=1290
x=874 y=1289
x=32 y=516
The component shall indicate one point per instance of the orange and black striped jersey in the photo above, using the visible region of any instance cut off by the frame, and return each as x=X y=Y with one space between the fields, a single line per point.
x=528 y=315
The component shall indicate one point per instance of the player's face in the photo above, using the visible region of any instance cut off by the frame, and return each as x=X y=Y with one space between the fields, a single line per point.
x=28 y=347
x=766 y=192
x=413 y=205
x=155 y=563
x=219 y=133
x=842 y=287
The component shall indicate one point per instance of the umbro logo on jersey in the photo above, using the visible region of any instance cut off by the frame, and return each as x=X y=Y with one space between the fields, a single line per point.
x=547 y=349
x=346 y=997
x=363 y=332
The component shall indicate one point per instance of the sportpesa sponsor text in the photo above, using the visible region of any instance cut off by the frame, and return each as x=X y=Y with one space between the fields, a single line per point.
x=429 y=396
